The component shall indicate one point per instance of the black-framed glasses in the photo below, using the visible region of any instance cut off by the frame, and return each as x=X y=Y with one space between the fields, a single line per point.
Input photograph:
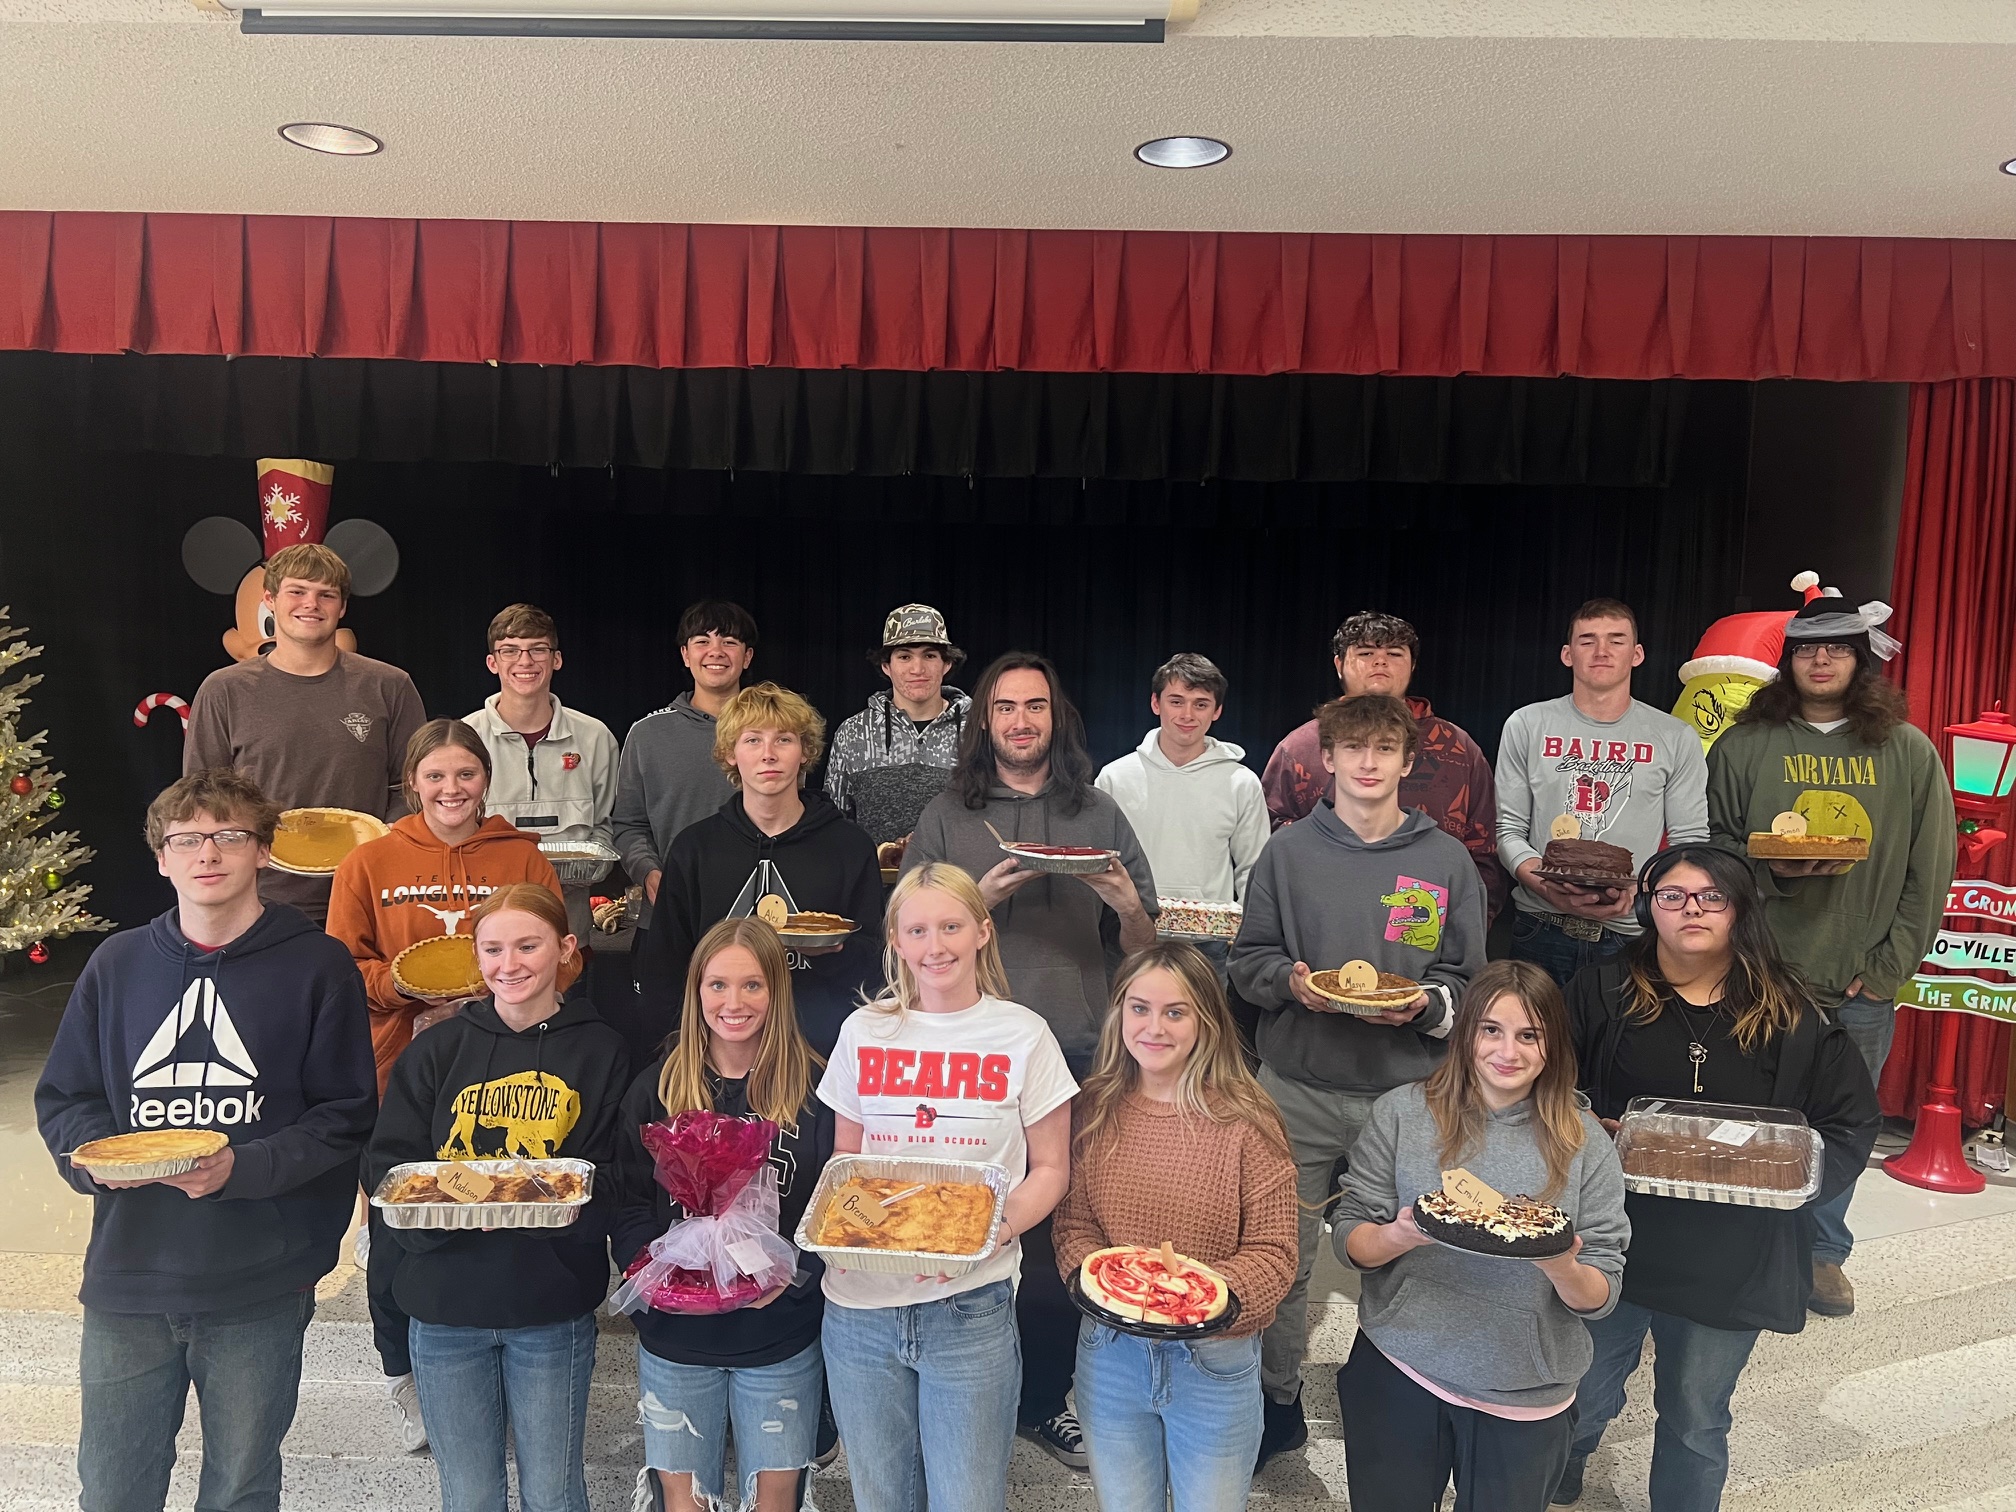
x=1707 y=899
x=523 y=653
x=186 y=842
x=1834 y=649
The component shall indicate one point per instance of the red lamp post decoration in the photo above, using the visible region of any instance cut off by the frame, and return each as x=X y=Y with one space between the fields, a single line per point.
x=1984 y=776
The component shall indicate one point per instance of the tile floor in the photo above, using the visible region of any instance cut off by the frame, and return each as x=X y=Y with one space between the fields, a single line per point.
x=1907 y=1405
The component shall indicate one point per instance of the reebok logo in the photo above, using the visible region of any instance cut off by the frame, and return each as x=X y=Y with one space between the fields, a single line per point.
x=196 y=1046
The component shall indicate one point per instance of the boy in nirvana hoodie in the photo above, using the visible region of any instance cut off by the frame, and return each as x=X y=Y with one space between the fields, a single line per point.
x=774 y=839
x=1197 y=810
x=243 y=1018
x=1358 y=879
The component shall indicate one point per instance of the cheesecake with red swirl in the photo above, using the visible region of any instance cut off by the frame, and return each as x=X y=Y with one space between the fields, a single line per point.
x=1139 y=1285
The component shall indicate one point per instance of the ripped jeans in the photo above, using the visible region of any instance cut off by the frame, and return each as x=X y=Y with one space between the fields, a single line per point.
x=689 y=1411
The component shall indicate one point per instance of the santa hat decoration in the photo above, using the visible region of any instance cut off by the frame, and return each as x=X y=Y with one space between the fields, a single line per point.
x=1750 y=644
x=293 y=501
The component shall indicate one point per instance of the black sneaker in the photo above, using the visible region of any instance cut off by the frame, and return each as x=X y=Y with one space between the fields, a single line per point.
x=1061 y=1438
x=1568 y=1490
x=1282 y=1427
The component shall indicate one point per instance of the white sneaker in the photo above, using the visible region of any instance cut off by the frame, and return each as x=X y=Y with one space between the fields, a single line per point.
x=406 y=1397
x=360 y=1247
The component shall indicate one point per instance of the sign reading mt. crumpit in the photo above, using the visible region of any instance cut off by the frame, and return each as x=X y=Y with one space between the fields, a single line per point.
x=1946 y=982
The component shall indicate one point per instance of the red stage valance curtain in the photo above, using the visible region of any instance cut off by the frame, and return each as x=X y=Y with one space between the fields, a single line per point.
x=1058 y=301
x=1955 y=594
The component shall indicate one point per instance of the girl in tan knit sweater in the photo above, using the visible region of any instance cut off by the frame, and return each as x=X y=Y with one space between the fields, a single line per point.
x=1175 y=1141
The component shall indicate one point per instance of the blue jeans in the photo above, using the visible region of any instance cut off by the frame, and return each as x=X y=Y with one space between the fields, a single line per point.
x=1551 y=948
x=925 y=1396
x=688 y=1412
x=475 y=1381
x=1871 y=1023
x=1694 y=1371
x=1169 y=1424
x=136 y=1372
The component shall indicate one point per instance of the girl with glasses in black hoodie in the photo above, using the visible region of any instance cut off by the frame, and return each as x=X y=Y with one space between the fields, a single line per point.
x=507 y=1316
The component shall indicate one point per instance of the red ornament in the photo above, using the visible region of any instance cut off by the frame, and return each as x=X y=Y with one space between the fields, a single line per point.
x=38 y=953
x=571 y=760
x=22 y=786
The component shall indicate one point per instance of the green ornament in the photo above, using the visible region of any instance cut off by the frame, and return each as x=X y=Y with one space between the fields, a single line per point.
x=53 y=880
x=1969 y=826
x=54 y=800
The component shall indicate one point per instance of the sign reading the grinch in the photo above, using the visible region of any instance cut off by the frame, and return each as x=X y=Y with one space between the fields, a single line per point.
x=1946 y=982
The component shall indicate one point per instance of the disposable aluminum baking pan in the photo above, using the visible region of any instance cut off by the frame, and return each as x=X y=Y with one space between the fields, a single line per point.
x=578 y=863
x=134 y=1170
x=477 y=1215
x=906 y=1168
x=1665 y=1115
x=1058 y=866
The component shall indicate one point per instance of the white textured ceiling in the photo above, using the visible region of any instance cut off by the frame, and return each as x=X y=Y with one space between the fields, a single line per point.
x=1826 y=117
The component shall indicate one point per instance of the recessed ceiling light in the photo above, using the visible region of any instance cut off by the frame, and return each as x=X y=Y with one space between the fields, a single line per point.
x=2010 y=167
x=342 y=141
x=1183 y=152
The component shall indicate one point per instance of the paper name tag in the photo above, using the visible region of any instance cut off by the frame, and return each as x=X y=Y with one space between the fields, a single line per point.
x=858 y=1207
x=1789 y=824
x=464 y=1184
x=1358 y=976
x=1565 y=827
x=772 y=910
x=1471 y=1192
x=1730 y=1132
x=749 y=1256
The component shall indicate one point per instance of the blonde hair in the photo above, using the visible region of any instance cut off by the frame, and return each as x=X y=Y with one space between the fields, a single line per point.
x=900 y=996
x=780 y=1082
x=309 y=562
x=1451 y=1088
x=767 y=707
x=1214 y=1087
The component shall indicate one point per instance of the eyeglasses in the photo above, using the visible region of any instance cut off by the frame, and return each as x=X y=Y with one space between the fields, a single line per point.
x=1834 y=649
x=522 y=653
x=1707 y=899
x=187 y=842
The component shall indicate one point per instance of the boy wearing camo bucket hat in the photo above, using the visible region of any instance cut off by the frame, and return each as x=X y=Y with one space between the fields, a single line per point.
x=894 y=756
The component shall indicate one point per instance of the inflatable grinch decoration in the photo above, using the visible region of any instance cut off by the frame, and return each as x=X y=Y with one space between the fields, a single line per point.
x=1736 y=656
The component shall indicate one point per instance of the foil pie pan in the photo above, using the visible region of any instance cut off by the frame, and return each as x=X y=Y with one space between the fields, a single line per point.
x=908 y=1168
x=477 y=1215
x=578 y=863
x=1060 y=866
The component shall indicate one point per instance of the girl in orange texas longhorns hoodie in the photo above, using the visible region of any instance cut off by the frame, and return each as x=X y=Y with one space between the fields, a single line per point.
x=410 y=886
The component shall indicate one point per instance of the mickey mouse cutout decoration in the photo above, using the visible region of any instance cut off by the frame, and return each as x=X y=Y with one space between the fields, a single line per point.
x=220 y=554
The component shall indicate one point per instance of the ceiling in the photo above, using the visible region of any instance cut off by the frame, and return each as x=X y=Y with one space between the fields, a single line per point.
x=1821 y=117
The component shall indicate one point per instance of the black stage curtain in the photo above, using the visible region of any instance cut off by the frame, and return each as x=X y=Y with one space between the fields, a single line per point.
x=1139 y=427
x=1108 y=576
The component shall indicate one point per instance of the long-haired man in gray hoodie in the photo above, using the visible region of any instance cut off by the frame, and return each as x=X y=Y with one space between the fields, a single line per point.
x=1358 y=879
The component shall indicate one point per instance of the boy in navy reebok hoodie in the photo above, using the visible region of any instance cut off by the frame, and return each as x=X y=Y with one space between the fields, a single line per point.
x=232 y=1015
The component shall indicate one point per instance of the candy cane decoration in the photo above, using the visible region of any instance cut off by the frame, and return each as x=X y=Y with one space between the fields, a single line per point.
x=144 y=709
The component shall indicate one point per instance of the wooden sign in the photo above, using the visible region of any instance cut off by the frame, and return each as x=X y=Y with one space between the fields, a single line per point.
x=1471 y=1192
x=858 y=1206
x=1565 y=827
x=1789 y=823
x=464 y=1183
x=772 y=910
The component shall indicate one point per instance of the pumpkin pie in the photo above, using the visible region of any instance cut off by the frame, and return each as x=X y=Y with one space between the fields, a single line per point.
x=124 y=1156
x=443 y=966
x=314 y=841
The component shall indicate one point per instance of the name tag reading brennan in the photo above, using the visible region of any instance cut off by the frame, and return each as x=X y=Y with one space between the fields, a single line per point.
x=1471 y=1192
x=464 y=1184
x=858 y=1207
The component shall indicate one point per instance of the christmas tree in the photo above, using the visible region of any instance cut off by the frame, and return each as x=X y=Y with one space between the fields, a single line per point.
x=37 y=904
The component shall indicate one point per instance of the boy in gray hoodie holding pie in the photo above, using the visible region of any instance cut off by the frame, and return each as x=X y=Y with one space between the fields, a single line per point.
x=1358 y=880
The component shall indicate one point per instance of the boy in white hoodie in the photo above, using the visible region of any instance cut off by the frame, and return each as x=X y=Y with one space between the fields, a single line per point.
x=1197 y=810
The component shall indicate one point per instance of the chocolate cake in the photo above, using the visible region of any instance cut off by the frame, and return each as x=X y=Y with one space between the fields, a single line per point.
x=1767 y=1163
x=1522 y=1229
x=1587 y=858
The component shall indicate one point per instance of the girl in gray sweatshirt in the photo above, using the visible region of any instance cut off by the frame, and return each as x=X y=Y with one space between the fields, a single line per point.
x=1466 y=1364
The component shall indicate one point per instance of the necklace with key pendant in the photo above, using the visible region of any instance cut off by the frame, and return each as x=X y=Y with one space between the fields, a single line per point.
x=1697 y=1052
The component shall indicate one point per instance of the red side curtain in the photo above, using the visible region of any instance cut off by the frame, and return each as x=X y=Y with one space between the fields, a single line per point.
x=1840 y=308
x=1955 y=596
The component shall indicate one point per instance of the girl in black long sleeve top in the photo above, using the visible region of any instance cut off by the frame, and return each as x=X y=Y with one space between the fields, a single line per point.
x=1704 y=991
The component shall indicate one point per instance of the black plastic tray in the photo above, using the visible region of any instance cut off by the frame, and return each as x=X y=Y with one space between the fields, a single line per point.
x=1141 y=1330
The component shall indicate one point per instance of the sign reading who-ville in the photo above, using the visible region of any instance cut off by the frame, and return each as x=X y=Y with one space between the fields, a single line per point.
x=1946 y=982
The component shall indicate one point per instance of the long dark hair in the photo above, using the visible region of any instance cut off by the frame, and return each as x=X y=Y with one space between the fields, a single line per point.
x=1761 y=993
x=974 y=775
x=1451 y=1090
x=1874 y=705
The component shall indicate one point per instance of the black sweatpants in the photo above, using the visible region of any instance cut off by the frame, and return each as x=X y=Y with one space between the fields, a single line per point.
x=1047 y=1321
x=1402 y=1443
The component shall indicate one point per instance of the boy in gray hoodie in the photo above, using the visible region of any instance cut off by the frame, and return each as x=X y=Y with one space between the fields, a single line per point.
x=1359 y=879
